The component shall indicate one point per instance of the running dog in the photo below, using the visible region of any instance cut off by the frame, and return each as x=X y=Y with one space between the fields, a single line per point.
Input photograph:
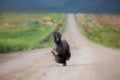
x=61 y=50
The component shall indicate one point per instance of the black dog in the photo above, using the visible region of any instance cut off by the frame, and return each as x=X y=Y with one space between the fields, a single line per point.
x=61 y=49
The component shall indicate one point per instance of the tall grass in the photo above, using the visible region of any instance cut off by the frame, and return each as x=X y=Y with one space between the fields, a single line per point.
x=24 y=40
x=26 y=37
x=105 y=35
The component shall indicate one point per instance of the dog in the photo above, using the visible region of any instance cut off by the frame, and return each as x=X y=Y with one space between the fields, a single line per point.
x=61 y=50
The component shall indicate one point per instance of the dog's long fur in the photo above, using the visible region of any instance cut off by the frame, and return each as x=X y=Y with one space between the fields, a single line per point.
x=61 y=49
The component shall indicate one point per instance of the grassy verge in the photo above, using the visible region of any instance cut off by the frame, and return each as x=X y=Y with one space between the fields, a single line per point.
x=106 y=36
x=24 y=37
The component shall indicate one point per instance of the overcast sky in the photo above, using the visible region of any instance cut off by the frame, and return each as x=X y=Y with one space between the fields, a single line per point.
x=89 y=6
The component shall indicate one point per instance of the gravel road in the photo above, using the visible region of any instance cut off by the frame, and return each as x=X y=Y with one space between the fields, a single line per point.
x=89 y=61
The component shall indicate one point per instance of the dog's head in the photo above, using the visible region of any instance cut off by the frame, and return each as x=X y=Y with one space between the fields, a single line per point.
x=57 y=37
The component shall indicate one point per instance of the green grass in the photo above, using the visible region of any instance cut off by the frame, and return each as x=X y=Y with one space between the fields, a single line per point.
x=24 y=37
x=105 y=35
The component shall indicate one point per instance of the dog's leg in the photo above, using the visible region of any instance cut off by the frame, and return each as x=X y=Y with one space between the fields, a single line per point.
x=64 y=64
x=57 y=59
x=68 y=55
x=54 y=53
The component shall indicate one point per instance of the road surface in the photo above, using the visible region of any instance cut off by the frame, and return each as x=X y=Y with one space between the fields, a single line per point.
x=89 y=61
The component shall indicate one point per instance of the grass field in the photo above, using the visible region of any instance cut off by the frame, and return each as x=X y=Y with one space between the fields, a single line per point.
x=107 y=34
x=26 y=37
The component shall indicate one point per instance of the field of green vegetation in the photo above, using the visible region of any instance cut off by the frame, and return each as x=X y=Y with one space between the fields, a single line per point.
x=105 y=36
x=26 y=37
x=101 y=34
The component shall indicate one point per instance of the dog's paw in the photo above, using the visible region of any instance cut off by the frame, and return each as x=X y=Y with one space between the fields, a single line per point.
x=54 y=52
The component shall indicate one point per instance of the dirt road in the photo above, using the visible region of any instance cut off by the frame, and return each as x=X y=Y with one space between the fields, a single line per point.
x=89 y=61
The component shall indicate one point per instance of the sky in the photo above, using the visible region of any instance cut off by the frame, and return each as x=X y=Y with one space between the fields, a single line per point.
x=62 y=6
